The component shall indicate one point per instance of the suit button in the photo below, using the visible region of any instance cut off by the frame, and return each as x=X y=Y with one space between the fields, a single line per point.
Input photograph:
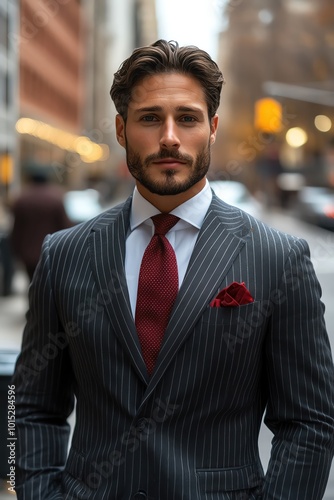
x=140 y=495
x=141 y=425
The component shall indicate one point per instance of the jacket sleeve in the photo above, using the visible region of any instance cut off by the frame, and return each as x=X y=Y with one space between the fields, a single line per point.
x=44 y=396
x=300 y=377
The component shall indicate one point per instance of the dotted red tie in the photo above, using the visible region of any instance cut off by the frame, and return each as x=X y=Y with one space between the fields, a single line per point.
x=157 y=289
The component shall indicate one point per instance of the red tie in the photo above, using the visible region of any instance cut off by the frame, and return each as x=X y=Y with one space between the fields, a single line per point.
x=157 y=289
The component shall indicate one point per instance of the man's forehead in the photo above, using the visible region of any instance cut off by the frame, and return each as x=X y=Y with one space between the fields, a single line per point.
x=167 y=86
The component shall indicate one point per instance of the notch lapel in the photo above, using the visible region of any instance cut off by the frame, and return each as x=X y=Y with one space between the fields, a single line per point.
x=107 y=244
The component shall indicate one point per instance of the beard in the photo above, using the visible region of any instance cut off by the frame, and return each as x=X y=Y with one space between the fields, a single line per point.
x=198 y=169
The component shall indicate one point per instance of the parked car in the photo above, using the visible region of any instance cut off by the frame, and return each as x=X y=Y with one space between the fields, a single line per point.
x=236 y=193
x=82 y=205
x=316 y=206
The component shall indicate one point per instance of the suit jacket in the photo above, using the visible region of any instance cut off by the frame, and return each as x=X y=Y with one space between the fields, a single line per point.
x=191 y=430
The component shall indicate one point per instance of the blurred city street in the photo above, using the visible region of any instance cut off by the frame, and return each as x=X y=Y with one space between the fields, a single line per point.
x=13 y=308
x=273 y=154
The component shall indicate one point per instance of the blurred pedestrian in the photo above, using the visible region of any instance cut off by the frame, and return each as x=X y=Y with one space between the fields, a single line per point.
x=176 y=321
x=37 y=211
x=329 y=163
x=269 y=168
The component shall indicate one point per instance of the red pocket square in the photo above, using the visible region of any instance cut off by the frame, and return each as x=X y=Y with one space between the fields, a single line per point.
x=236 y=294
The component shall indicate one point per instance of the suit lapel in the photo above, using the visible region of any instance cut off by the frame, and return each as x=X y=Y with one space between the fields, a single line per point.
x=107 y=243
x=219 y=242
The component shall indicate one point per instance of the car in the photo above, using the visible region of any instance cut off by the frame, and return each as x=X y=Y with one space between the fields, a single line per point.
x=315 y=205
x=237 y=194
x=82 y=205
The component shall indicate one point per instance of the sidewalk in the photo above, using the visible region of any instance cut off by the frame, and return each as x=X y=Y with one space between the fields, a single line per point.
x=12 y=312
x=4 y=493
x=12 y=319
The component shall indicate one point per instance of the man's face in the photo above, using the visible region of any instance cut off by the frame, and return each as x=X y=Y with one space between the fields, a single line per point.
x=167 y=134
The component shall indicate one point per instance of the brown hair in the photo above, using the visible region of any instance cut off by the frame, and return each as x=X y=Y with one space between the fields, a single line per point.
x=167 y=57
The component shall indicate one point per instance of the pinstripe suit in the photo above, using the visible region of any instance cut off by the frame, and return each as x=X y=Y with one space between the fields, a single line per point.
x=191 y=430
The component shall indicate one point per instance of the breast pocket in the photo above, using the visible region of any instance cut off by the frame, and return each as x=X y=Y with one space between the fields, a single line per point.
x=253 y=313
x=239 y=327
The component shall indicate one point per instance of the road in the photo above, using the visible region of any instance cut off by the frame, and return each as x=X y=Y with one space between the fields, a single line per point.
x=321 y=243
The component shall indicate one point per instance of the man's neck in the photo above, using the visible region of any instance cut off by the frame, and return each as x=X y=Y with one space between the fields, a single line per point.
x=167 y=203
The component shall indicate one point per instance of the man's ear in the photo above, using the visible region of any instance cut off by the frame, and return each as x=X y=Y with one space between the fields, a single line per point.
x=214 y=127
x=120 y=130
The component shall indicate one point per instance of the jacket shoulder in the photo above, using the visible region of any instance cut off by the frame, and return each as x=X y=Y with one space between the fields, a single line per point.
x=251 y=228
x=80 y=232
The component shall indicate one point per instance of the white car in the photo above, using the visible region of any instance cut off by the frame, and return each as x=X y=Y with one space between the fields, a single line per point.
x=82 y=205
x=235 y=193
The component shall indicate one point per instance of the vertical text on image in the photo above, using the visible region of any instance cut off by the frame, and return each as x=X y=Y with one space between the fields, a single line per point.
x=11 y=438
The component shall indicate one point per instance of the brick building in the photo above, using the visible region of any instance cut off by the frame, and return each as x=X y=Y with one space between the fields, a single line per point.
x=51 y=45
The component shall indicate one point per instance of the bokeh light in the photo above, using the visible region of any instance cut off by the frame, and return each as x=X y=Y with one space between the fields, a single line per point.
x=323 y=123
x=296 y=137
x=88 y=150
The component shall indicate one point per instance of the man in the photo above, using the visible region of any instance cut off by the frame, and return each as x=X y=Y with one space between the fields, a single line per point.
x=176 y=417
x=37 y=211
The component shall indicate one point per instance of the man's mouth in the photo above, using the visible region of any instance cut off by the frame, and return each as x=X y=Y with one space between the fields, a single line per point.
x=169 y=161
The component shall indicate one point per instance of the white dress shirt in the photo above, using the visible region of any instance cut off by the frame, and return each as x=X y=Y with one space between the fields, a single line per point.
x=182 y=236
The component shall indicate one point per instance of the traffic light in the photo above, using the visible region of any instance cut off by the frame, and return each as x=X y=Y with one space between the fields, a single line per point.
x=268 y=115
x=6 y=169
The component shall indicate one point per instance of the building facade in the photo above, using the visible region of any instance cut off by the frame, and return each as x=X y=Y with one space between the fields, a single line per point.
x=61 y=56
x=288 y=42
x=52 y=57
x=114 y=29
x=9 y=24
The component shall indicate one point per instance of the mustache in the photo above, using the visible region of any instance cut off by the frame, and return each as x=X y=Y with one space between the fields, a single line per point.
x=165 y=153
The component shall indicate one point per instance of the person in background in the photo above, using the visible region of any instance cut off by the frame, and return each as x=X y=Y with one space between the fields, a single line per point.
x=269 y=168
x=37 y=211
x=176 y=321
x=329 y=163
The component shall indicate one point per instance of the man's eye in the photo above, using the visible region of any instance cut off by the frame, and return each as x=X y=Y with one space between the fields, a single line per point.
x=188 y=119
x=149 y=118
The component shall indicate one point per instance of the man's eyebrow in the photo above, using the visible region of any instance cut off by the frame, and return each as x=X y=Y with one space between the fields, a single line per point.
x=148 y=109
x=189 y=109
x=184 y=109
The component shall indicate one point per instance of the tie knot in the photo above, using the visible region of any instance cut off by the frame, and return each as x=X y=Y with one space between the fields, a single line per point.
x=164 y=222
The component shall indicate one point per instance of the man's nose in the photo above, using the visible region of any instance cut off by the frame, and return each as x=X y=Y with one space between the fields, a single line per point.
x=169 y=137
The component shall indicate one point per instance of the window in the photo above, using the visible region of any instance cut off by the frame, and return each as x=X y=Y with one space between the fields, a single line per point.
x=3 y=29
x=8 y=90
x=2 y=88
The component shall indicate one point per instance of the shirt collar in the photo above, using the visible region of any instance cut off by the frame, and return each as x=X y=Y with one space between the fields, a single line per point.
x=192 y=211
